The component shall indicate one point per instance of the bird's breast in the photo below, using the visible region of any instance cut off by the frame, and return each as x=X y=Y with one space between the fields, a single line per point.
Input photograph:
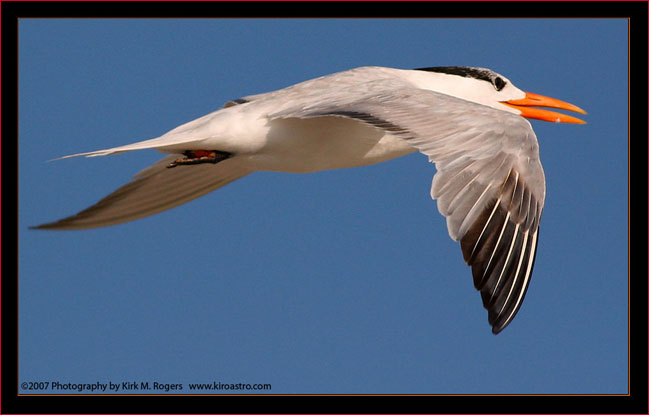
x=323 y=143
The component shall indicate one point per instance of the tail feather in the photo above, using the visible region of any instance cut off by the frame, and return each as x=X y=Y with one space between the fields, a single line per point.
x=153 y=190
x=168 y=143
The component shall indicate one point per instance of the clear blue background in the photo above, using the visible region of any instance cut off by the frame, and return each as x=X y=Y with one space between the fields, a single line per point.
x=334 y=282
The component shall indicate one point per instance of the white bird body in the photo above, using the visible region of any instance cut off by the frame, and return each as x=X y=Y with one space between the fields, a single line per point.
x=489 y=182
x=289 y=145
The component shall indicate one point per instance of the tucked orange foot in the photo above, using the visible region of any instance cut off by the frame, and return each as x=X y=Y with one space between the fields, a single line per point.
x=199 y=157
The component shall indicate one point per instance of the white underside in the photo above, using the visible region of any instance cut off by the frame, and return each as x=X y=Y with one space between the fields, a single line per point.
x=308 y=145
x=291 y=144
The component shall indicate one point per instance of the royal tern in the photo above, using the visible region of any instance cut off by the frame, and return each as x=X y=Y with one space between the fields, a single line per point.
x=469 y=121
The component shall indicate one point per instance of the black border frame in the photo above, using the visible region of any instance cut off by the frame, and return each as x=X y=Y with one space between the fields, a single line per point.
x=635 y=402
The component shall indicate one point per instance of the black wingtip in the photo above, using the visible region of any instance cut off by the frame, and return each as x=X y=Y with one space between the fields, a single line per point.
x=497 y=329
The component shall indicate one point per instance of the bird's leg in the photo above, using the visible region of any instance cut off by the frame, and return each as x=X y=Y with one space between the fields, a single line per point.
x=199 y=157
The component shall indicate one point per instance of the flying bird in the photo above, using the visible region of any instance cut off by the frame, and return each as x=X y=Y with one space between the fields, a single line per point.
x=471 y=122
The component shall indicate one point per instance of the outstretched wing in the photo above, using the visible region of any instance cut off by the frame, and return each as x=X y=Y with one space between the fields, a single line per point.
x=489 y=182
x=153 y=190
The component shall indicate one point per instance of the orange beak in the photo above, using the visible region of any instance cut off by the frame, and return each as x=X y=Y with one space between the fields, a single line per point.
x=534 y=100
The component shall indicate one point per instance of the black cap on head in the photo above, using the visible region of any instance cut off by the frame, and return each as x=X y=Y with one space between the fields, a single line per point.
x=469 y=72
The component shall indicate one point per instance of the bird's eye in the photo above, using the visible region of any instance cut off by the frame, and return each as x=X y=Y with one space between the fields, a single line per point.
x=499 y=83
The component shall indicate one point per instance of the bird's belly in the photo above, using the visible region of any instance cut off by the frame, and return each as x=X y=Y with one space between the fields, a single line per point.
x=308 y=145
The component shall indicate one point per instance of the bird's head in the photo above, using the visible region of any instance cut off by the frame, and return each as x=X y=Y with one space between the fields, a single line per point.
x=486 y=87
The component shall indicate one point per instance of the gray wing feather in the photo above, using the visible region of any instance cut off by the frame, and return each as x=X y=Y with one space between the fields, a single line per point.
x=154 y=189
x=489 y=183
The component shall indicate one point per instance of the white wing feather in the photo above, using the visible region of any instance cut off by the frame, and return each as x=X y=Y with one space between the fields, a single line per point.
x=489 y=182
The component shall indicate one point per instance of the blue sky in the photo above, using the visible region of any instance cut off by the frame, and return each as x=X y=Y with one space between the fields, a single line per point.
x=333 y=282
